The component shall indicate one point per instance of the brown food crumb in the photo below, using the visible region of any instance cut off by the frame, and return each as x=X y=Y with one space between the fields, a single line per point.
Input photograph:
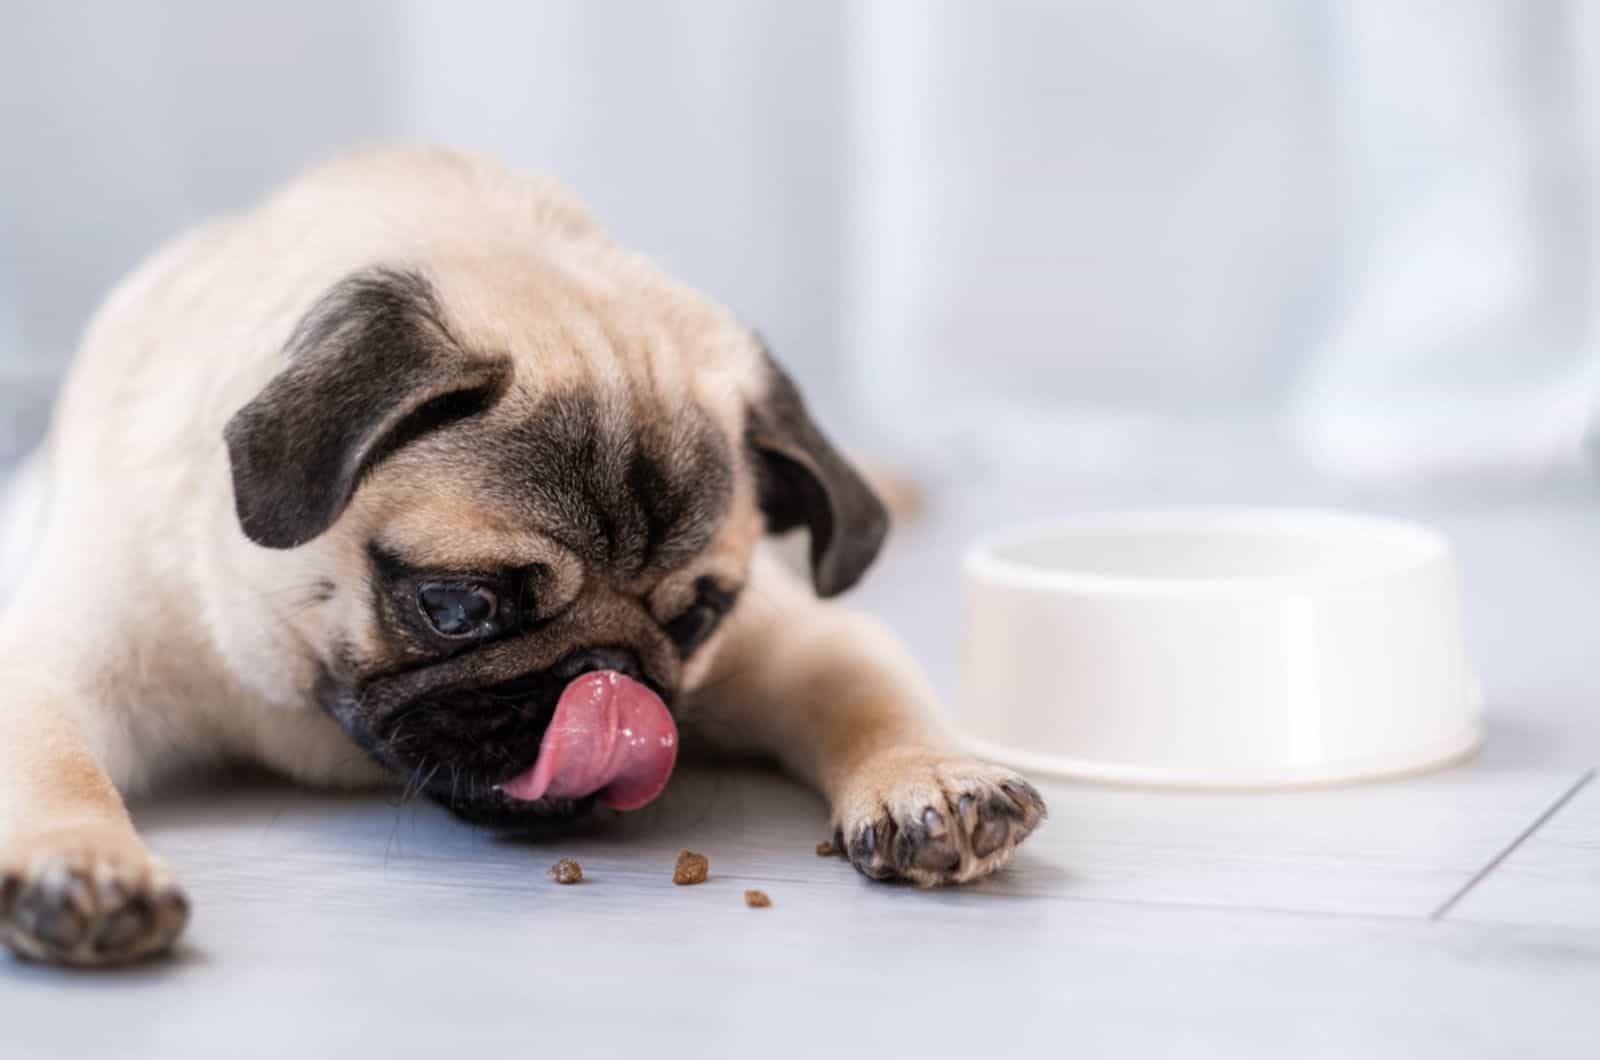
x=567 y=871
x=756 y=899
x=691 y=868
x=824 y=849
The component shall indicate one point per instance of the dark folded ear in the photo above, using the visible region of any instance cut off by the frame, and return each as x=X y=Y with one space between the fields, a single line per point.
x=802 y=480
x=370 y=368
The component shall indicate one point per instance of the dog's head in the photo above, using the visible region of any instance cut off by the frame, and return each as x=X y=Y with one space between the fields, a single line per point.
x=529 y=497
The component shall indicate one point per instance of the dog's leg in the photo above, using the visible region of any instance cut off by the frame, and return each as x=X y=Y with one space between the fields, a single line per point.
x=76 y=884
x=836 y=699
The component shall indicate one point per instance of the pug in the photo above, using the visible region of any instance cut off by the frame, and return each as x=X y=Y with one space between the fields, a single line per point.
x=412 y=476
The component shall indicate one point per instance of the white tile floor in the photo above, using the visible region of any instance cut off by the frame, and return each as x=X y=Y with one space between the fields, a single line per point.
x=1452 y=915
x=1553 y=876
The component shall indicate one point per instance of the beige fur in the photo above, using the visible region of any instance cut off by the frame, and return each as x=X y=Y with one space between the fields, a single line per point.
x=148 y=634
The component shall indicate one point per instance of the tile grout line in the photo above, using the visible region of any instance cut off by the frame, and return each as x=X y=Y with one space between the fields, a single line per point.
x=1499 y=859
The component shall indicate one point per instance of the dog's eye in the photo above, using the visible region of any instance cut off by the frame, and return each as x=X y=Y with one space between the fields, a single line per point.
x=690 y=629
x=455 y=609
x=693 y=626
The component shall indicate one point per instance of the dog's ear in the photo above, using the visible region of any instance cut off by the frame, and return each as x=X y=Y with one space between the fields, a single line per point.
x=370 y=368
x=803 y=481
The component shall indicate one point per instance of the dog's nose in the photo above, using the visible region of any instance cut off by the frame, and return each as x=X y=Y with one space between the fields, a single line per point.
x=619 y=659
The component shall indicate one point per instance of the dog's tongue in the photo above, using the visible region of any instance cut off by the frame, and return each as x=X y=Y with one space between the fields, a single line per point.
x=611 y=735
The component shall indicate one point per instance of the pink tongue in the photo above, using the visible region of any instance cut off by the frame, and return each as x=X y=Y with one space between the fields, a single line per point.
x=610 y=734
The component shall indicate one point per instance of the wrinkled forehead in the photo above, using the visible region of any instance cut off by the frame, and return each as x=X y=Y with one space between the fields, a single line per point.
x=619 y=481
x=634 y=488
x=618 y=434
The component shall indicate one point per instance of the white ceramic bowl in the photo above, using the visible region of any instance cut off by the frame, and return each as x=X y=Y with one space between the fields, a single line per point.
x=1233 y=648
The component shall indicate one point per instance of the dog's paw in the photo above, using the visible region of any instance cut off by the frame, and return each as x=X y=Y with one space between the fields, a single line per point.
x=82 y=898
x=933 y=818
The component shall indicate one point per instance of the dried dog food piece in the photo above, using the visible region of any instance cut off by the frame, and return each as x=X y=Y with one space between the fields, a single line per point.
x=691 y=868
x=567 y=871
x=825 y=849
x=757 y=899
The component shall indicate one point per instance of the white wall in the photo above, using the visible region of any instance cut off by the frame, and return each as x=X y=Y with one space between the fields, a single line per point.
x=1084 y=232
x=709 y=134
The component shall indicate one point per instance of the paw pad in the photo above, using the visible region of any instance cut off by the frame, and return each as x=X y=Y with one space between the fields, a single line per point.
x=78 y=909
x=934 y=821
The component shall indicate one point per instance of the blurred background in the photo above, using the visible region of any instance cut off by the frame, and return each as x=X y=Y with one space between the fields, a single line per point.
x=1119 y=242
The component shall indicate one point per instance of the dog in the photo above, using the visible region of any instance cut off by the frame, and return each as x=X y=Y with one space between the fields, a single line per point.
x=412 y=475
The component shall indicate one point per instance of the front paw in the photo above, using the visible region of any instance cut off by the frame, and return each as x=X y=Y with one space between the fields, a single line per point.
x=87 y=897
x=933 y=818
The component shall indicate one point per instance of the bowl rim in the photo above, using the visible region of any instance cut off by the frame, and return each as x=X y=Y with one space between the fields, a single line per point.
x=1416 y=547
x=1464 y=741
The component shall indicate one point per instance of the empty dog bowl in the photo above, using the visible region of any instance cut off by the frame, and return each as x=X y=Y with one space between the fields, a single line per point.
x=1216 y=649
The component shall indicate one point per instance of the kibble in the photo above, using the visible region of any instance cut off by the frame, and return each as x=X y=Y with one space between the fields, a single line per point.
x=567 y=871
x=757 y=899
x=691 y=868
x=825 y=849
